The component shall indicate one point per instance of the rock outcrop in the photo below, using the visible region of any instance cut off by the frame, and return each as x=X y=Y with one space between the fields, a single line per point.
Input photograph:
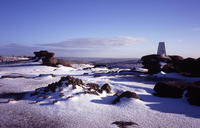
x=170 y=89
x=126 y=94
x=106 y=87
x=193 y=94
x=93 y=86
x=187 y=67
x=190 y=67
x=49 y=59
x=176 y=90
x=58 y=86
x=153 y=62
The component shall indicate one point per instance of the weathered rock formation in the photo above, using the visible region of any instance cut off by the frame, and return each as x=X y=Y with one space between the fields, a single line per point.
x=170 y=89
x=153 y=62
x=188 y=66
x=48 y=59
x=176 y=90
x=193 y=94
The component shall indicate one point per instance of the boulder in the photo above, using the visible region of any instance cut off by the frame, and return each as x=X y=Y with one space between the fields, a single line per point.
x=43 y=53
x=49 y=61
x=47 y=57
x=127 y=94
x=193 y=94
x=168 y=68
x=187 y=67
x=106 y=87
x=174 y=65
x=170 y=89
x=176 y=58
x=156 y=58
x=152 y=62
x=190 y=67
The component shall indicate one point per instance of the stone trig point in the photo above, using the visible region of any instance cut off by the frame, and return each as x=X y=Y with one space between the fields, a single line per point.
x=161 y=49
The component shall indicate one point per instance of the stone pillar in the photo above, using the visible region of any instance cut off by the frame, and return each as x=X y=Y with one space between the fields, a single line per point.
x=161 y=49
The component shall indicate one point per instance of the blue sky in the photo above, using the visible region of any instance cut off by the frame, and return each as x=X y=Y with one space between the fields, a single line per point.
x=100 y=28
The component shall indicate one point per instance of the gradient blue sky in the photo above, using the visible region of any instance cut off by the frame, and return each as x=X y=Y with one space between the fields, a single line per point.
x=94 y=28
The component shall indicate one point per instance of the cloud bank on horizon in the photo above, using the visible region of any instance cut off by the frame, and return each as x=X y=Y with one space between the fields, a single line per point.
x=79 y=47
x=97 y=42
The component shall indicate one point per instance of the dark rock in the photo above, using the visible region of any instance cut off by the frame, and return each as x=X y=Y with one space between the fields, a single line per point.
x=117 y=94
x=71 y=81
x=193 y=94
x=55 y=101
x=169 y=68
x=124 y=124
x=37 y=101
x=190 y=66
x=93 y=86
x=129 y=94
x=88 y=68
x=13 y=76
x=45 y=97
x=47 y=75
x=99 y=65
x=49 y=61
x=175 y=63
x=176 y=58
x=69 y=97
x=197 y=83
x=97 y=75
x=170 y=89
x=126 y=94
x=106 y=87
x=53 y=87
x=61 y=94
x=91 y=92
x=176 y=89
x=47 y=58
x=43 y=53
x=61 y=89
x=187 y=67
x=63 y=62
x=10 y=100
x=152 y=62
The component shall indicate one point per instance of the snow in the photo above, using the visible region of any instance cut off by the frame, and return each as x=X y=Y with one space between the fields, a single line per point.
x=176 y=76
x=86 y=110
x=5 y=59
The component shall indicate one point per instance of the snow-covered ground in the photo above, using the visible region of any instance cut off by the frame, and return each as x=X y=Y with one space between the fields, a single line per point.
x=7 y=59
x=86 y=110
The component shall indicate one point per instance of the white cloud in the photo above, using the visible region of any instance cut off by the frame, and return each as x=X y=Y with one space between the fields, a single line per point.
x=97 y=42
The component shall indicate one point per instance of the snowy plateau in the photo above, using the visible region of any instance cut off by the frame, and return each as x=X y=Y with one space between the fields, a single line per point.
x=72 y=108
